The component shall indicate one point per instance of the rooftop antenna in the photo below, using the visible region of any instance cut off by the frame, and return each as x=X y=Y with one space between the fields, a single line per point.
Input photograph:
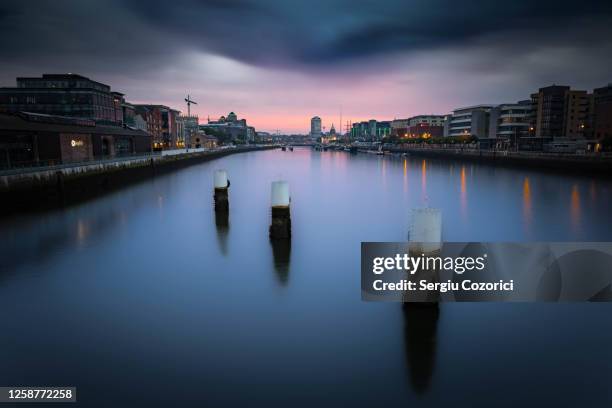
x=189 y=102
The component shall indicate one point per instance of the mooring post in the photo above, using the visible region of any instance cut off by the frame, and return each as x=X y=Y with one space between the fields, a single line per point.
x=222 y=184
x=280 y=228
x=425 y=238
x=425 y=230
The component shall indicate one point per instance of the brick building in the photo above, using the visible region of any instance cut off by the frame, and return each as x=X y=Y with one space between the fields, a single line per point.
x=161 y=124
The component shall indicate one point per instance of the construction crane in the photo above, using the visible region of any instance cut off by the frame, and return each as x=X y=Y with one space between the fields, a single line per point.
x=189 y=102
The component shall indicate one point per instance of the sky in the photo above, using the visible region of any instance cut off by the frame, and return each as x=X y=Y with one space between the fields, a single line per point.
x=277 y=63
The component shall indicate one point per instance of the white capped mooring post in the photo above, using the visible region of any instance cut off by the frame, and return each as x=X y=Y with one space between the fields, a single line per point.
x=221 y=179
x=222 y=184
x=280 y=228
x=426 y=230
x=425 y=240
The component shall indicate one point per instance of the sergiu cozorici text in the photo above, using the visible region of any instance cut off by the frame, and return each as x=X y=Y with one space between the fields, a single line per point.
x=414 y=264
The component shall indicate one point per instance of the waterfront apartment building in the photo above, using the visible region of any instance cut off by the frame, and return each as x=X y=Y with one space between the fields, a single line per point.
x=161 y=124
x=399 y=127
x=358 y=130
x=371 y=130
x=68 y=95
x=469 y=121
x=511 y=121
x=602 y=112
x=383 y=129
x=129 y=114
x=560 y=112
x=432 y=120
x=188 y=126
x=315 y=127
x=426 y=126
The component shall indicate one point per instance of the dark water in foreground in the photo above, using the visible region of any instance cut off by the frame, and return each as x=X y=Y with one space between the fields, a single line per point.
x=139 y=298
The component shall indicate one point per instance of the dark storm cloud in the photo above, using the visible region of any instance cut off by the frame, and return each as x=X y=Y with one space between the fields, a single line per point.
x=269 y=32
x=272 y=32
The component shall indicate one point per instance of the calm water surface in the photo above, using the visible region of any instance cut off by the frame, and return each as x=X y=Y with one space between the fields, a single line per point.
x=142 y=296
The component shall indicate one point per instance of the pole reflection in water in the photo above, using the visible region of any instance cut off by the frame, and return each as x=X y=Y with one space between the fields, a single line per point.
x=593 y=191
x=405 y=177
x=575 y=208
x=222 y=223
x=281 y=251
x=463 y=194
x=526 y=202
x=420 y=334
x=384 y=171
x=424 y=180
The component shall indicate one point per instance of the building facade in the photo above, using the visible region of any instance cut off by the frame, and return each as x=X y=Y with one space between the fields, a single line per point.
x=560 y=112
x=602 y=113
x=188 y=126
x=511 y=121
x=231 y=127
x=372 y=130
x=400 y=127
x=315 y=127
x=199 y=139
x=383 y=129
x=68 y=95
x=426 y=126
x=469 y=121
x=431 y=120
x=161 y=124
x=31 y=139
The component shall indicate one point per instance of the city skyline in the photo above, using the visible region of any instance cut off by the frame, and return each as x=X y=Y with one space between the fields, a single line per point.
x=369 y=62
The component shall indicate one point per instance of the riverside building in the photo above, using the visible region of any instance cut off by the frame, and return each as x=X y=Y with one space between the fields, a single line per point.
x=34 y=139
x=470 y=121
x=69 y=95
x=232 y=128
x=315 y=127
x=562 y=113
x=161 y=124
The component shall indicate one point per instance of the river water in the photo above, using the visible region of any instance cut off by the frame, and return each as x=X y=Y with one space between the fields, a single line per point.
x=143 y=297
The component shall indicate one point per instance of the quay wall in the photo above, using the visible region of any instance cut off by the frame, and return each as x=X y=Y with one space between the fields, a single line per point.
x=589 y=164
x=56 y=186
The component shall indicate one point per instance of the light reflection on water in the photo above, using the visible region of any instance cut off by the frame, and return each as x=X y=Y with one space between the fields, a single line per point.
x=198 y=302
x=575 y=208
x=526 y=203
x=463 y=198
